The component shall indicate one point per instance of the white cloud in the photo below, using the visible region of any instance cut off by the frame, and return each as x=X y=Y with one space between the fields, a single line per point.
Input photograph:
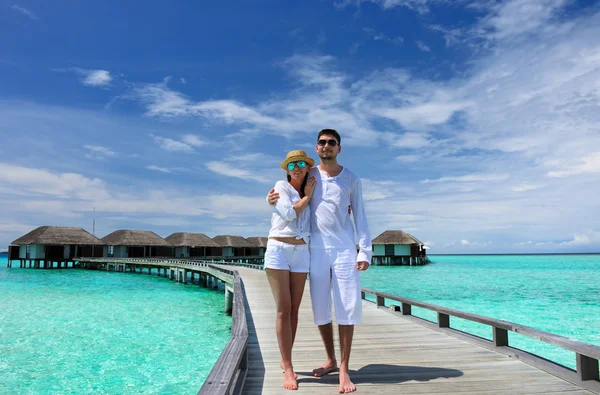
x=423 y=115
x=172 y=145
x=158 y=168
x=475 y=177
x=464 y=242
x=514 y=17
x=193 y=140
x=321 y=99
x=420 y=6
x=93 y=78
x=411 y=140
x=591 y=164
x=25 y=11
x=97 y=77
x=98 y=152
x=408 y=158
x=45 y=182
x=379 y=36
x=422 y=46
x=526 y=187
x=229 y=170
x=183 y=81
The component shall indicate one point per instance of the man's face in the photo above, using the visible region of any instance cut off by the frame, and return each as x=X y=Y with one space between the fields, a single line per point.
x=328 y=147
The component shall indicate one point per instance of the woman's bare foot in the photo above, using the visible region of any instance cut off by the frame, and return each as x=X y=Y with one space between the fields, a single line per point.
x=282 y=366
x=326 y=368
x=289 y=381
x=346 y=385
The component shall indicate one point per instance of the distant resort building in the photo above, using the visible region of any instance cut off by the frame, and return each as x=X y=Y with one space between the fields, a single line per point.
x=260 y=245
x=136 y=244
x=46 y=245
x=193 y=245
x=395 y=247
x=234 y=246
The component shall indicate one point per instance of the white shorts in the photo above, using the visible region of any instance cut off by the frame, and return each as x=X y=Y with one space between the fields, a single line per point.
x=334 y=271
x=284 y=256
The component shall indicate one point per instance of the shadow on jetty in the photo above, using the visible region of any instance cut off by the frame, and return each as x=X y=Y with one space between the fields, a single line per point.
x=384 y=374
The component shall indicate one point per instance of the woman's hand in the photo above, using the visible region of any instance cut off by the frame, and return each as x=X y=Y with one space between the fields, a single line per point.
x=273 y=197
x=309 y=189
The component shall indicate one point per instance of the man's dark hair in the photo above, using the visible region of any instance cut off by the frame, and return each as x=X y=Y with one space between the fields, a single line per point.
x=331 y=132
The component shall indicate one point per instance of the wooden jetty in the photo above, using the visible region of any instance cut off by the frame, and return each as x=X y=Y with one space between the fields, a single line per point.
x=393 y=352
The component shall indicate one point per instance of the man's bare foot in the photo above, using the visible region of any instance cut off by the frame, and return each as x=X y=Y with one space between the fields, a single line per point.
x=346 y=385
x=326 y=368
x=289 y=381
x=283 y=369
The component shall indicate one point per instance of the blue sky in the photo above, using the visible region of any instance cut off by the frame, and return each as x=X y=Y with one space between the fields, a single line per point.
x=473 y=124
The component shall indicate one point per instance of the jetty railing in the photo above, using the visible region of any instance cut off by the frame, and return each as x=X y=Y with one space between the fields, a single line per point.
x=587 y=355
x=229 y=372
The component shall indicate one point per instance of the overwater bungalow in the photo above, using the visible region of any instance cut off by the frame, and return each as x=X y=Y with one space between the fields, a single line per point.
x=46 y=245
x=193 y=245
x=234 y=246
x=260 y=245
x=127 y=243
x=395 y=247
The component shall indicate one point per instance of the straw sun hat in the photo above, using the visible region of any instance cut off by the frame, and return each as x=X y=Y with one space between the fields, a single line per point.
x=295 y=156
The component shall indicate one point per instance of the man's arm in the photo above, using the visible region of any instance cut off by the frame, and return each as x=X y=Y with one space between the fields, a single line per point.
x=362 y=227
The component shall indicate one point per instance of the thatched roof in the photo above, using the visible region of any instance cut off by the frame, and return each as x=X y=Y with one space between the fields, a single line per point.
x=139 y=238
x=258 y=241
x=58 y=235
x=233 y=241
x=186 y=239
x=395 y=237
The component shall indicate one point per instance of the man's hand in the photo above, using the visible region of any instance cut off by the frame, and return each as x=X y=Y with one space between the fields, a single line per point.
x=362 y=265
x=273 y=197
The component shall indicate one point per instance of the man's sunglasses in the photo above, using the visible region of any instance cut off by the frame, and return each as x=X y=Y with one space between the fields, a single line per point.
x=292 y=165
x=332 y=143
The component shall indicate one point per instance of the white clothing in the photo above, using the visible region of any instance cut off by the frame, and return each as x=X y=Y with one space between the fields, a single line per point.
x=335 y=270
x=285 y=256
x=330 y=223
x=284 y=221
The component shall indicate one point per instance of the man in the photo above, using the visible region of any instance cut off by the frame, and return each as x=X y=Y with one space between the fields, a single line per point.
x=335 y=264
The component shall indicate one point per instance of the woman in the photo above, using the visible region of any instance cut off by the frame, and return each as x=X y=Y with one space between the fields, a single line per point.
x=287 y=258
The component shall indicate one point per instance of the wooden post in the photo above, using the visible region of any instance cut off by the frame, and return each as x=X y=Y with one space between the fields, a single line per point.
x=587 y=368
x=501 y=337
x=363 y=295
x=380 y=301
x=406 y=309
x=228 y=300
x=443 y=320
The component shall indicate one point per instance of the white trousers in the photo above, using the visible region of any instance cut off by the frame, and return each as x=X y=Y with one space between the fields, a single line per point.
x=333 y=272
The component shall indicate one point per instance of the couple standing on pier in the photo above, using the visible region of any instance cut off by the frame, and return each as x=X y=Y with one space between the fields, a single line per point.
x=312 y=232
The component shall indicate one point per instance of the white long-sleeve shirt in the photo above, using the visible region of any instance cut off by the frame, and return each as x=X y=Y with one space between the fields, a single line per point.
x=330 y=223
x=284 y=221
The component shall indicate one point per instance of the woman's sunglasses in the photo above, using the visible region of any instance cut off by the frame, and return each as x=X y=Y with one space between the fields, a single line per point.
x=292 y=165
x=332 y=143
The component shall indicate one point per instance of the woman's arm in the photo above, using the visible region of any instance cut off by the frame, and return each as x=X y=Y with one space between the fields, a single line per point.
x=284 y=205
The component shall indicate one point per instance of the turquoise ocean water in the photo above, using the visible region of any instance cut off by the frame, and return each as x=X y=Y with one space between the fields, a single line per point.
x=79 y=331
x=555 y=293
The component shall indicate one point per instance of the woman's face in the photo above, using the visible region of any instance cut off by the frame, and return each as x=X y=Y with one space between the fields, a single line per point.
x=298 y=172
